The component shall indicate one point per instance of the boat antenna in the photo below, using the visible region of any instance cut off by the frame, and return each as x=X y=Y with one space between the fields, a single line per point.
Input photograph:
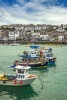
x=4 y=72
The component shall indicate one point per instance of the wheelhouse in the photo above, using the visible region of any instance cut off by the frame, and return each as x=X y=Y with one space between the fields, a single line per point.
x=22 y=71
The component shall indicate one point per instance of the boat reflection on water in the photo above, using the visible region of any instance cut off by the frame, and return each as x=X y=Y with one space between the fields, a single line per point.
x=18 y=93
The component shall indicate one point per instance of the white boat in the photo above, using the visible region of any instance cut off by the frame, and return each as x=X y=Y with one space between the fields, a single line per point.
x=14 y=44
x=22 y=77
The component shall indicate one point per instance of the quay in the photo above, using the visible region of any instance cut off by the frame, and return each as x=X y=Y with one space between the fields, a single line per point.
x=35 y=42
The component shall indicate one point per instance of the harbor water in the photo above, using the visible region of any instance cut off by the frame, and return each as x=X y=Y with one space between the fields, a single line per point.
x=51 y=84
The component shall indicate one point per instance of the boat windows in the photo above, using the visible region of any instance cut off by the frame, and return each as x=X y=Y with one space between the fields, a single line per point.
x=20 y=76
x=26 y=70
x=48 y=55
x=20 y=71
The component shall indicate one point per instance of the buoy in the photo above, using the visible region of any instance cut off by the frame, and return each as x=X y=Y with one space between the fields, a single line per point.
x=21 y=82
x=15 y=81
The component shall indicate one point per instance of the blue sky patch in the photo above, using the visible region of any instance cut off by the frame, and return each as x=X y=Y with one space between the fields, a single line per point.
x=18 y=11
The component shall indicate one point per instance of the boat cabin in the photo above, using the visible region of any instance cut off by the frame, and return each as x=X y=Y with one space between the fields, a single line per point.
x=48 y=55
x=22 y=71
x=29 y=52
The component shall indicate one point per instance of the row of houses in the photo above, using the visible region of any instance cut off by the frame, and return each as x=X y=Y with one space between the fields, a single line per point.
x=34 y=32
x=33 y=37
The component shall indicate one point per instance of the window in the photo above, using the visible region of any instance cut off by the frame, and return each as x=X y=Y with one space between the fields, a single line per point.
x=20 y=76
x=48 y=55
x=20 y=71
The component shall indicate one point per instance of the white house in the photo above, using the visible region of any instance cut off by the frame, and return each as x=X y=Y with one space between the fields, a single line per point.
x=13 y=35
x=60 y=38
x=35 y=34
x=60 y=30
x=45 y=37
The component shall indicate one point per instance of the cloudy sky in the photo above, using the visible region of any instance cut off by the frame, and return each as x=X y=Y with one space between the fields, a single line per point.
x=33 y=12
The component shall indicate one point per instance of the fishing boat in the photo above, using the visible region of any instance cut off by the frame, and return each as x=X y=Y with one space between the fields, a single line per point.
x=37 y=56
x=33 y=64
x=22 y=77
x=14 y=44
x=49 y=56
x=32 y=58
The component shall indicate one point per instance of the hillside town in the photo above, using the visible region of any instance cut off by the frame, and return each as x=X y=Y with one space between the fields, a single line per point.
x=32 y=33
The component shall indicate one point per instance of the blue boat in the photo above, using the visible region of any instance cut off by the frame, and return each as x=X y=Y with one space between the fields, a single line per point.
x=33 y=55
x=50 y=58
x=44 y=56
x=34 y=46
x=29 y=56
x=33 y=64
